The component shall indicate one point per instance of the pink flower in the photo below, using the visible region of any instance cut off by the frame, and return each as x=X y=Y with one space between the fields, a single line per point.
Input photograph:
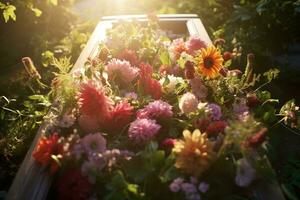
x=188 y=103
x=93 y=102
x=198 y=88
x=122 y=70
x=143 y=130
x=93 y=143
x=156 y=110
x=130 y=56
x=195 y=43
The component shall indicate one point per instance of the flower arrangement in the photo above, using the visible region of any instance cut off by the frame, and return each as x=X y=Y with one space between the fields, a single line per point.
x=152 y=118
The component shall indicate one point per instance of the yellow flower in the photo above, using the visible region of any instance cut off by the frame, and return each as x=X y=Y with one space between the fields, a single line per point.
x=194 y=153
x=210 y=62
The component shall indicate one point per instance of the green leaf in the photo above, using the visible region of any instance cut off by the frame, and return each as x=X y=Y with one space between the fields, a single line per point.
x=9 y=13
x=36 y=11
x=165 y=58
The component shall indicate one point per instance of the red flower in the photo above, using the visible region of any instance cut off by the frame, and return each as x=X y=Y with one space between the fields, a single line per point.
x=216 y=127
x=149 y=85
x=93 y=102
x=73 y=186
x=227 y=55
x=47 y=147
x=168 y=143
x=252 y=100
x=257 y=139
x=130 y=56
x=189 y=70
x=202 y=124
x=121 y=115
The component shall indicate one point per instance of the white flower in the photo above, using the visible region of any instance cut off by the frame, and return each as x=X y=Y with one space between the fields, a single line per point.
x=245 y=173
x=188 y=103
x=173 y=81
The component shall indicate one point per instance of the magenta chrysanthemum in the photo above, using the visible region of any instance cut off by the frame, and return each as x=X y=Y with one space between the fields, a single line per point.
x=121 y=69
x=156 y=110
x=142 y=130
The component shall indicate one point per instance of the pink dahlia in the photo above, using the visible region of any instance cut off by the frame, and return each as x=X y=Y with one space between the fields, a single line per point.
x=122 y=70
x=121 y=115
x=156 y=110
x=194 y=44
x=198 y=88
x=93 y=143
x=130 y=56
x=93 y=102
x=142 y=130
x=188 y=103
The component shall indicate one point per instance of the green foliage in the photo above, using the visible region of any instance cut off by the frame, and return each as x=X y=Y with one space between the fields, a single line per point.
x=291 y=177
x=8 y=12
x=120 y=189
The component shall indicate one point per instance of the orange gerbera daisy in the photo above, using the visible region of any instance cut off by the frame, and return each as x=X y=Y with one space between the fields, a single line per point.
x=210 y=62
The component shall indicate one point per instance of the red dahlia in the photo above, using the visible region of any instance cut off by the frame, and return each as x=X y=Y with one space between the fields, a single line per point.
x=216 y=127
x=47 y=147
x=93 y=101
x=120 y=116
x=149 y=85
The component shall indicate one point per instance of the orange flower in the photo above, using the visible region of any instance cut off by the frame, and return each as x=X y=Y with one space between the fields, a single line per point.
x=46 y=148
x=210 y=62
x=194 y=153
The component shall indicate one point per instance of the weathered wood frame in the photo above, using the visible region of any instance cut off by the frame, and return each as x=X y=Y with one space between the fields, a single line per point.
x=32 y=181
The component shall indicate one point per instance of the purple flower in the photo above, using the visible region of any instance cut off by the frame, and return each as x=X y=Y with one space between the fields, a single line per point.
x=215 y=111
x=245 y=173
x=93 y=166
x=175 y=186
x=189 y=188
x=203 y=187
x=142 y=130
x=240 y=106
x=156 y=110
x=93 y=143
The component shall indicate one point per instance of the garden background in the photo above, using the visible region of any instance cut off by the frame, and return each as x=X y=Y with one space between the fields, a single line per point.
x=43 y=29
